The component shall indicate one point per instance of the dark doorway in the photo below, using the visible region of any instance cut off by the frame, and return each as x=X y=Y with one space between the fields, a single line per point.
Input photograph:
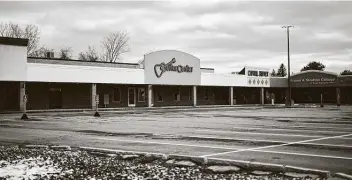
x=55 y=98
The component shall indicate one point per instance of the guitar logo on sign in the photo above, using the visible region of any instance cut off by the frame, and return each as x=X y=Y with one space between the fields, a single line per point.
x=161 y=68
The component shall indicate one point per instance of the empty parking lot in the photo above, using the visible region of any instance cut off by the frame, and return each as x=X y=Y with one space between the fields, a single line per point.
x=309 y=137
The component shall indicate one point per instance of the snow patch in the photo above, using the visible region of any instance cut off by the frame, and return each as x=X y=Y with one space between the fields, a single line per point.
x=30 y=168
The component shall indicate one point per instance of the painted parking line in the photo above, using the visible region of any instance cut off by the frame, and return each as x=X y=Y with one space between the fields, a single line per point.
x=258 y=133
x=281 y=129
x=207 y=146
x=300 y=154
x=271 y=146
x=321 y=127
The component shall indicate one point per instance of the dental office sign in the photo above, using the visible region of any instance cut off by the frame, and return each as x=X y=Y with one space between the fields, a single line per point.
x=162 y=68
x=171 y=67
x=314 y=81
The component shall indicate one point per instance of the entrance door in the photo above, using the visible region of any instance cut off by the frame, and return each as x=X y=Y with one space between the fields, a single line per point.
x=131 y=96
x=55 y=98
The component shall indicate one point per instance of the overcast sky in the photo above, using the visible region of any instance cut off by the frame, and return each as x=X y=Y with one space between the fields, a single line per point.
x=225 y=35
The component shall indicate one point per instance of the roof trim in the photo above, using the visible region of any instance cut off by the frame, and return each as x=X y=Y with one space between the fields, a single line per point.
x=13 y=41
x=172 y=50
x=208 y=68
x=315 y=71
x=77 y=60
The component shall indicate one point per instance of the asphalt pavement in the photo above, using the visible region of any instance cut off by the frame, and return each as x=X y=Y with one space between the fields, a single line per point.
x=319 y=138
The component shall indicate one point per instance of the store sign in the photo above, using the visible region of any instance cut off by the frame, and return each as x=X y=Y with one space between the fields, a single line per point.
x=160 y=69
x=171 y=67
x=315 y=81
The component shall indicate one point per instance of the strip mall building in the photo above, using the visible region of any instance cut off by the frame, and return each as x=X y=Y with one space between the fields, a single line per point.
x=163 y=78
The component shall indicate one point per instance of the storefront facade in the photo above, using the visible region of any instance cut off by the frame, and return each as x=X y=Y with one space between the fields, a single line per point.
x=163 y=78
x=320 y=86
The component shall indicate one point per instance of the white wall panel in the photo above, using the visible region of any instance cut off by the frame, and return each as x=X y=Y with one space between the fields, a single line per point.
x=208 y=79
x=13 y=63
x=82 y=74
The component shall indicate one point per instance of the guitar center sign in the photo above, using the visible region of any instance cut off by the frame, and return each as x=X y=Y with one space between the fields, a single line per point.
x=161 y=68
x=171 y=67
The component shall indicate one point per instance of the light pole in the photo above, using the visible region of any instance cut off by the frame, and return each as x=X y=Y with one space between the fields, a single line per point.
x=288 y=63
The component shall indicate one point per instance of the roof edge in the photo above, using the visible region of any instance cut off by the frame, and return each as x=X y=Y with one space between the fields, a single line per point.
x=172 y=50
x=316 y=71
x=13 y=41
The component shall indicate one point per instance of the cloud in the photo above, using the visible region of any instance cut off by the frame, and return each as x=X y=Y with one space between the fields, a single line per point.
x=226 y=35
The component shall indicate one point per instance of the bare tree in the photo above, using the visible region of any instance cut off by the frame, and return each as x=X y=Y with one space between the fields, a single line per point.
x=90 y=55
x=41 y=52
x=65 y=53
x=114 y=45
x=30 y=32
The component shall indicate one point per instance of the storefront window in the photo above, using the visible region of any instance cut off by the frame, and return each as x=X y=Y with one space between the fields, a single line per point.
x=177 y=95
x=190 y=94
x=116 y=95
x=141 y=94
x=206 y=94
x=160 y=96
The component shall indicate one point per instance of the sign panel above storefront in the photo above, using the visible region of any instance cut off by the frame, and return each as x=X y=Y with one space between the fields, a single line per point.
x=171 y=67
x=314 y=79
x=161 y=68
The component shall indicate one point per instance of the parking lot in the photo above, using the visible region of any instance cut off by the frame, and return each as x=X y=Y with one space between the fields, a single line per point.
x=319 y=138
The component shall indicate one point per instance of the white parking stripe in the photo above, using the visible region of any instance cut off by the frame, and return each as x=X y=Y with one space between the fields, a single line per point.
x=321 y=127
x=205 y=146
x=270 y=134
x=303 y=154
x=263 y=140
x=282 y=129
x=271 y=146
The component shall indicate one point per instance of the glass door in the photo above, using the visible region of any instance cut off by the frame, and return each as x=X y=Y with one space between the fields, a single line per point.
x=131 y=96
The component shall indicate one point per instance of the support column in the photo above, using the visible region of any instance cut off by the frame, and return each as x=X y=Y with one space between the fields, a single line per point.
x=150 y=96
x=194 y=95
x=22 y=96
x=93 y=96
x=338 y=97
x=23 y=100
x=231 y=95
x=262 y=96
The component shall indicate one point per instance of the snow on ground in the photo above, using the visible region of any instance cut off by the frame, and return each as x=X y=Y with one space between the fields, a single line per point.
x=29 y=168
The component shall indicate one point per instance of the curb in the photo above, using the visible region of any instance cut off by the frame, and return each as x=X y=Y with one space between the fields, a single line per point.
x=266 y=167
x=247 y=165
x=343 y=175
x=239 y=163
x=216 y=161
x=36 y=146
x=325 y=174
x=61 y=147
x=196 y=159
x=111 y=151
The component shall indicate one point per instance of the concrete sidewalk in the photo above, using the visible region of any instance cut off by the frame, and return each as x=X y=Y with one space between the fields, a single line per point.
x=152 y=109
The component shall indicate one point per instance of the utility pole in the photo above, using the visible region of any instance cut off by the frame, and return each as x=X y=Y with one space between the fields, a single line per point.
x=288 y=64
